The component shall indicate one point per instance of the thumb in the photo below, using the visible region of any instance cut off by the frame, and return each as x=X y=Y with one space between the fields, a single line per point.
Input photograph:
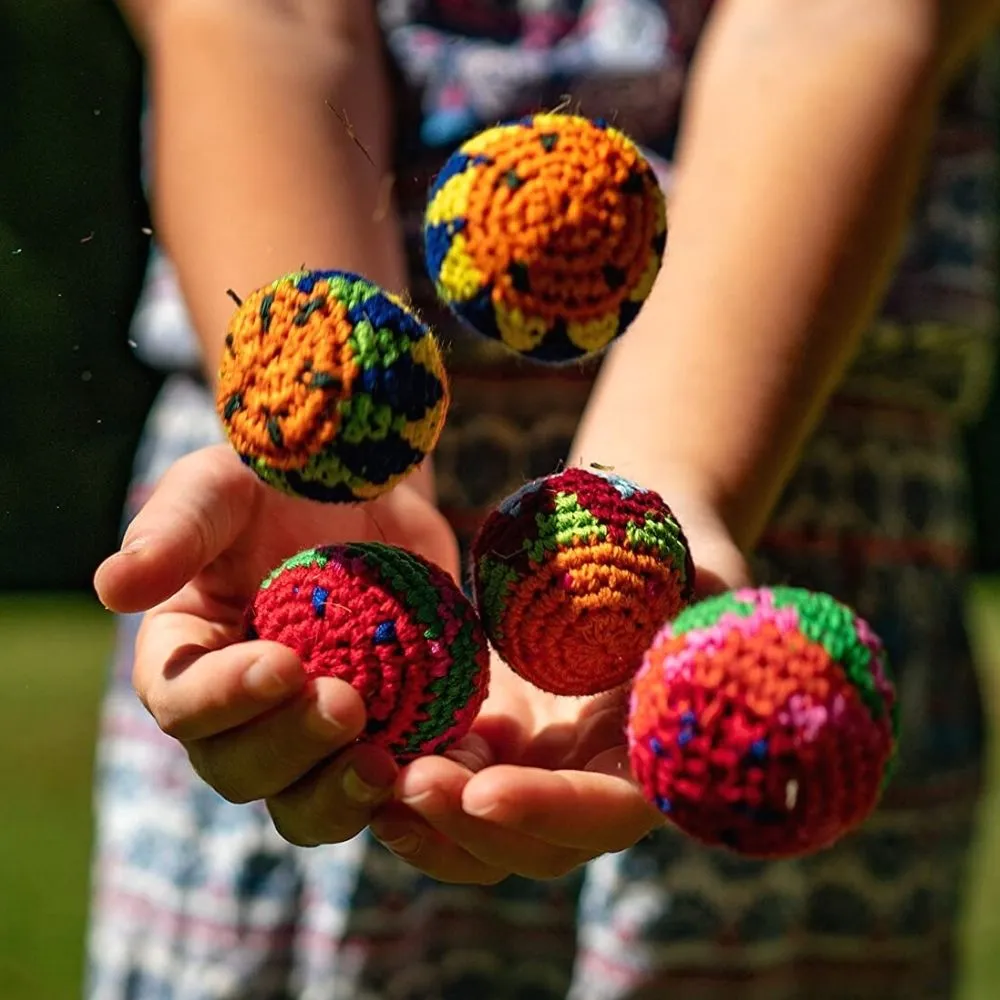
x=198 y=509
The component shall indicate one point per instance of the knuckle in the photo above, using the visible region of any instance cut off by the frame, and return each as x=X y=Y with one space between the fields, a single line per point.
x=279 y=758
x=203 y=532
x=335 y=824
x=234 y=795
x=495 y=878
x=209 y=766
x=341 y=825
x=142 y=694
x=452 y=871
x=314 y=810
x=556 y=872
x=171 y=723
x=572 y=862
x=164 y=712
x=304 y=825
x=553 y=867
x=142 y=691
x=288 y=830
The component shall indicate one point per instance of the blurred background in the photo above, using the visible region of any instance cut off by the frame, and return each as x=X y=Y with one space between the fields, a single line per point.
x=73 y=236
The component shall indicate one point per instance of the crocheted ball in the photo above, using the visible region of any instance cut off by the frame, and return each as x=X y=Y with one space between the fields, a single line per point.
x=546 y=234
x=764 y=721
x=574 y=573
x=392 y=624
x=329 y=387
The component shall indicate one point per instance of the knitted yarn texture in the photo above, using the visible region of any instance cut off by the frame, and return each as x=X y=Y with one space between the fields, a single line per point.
x=393 y=625
x=546 y=234
x=765 y=721
x=573 y=575
x=330 y=388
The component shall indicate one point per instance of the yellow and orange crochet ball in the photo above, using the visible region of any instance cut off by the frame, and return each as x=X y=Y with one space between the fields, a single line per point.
x=573 y=576
x=546 y=234
x=329 y=387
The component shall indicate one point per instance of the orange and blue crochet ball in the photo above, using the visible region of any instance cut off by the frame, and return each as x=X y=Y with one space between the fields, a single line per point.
x=329 y=387
x=546 y=234
x=394 y=626
x=573 y=575
x=765 y=721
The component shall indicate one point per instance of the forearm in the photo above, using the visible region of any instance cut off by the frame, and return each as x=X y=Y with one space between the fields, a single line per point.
x=805 y=134
x=272 y=140
x=255 y=173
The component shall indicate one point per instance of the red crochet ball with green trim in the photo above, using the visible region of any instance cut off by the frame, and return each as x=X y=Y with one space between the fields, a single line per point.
x=573 y=575
x=393 y=625
x=764 y=721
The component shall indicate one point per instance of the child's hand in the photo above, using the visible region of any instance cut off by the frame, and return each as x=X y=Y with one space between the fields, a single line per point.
x=252 y=725
x=542 y=784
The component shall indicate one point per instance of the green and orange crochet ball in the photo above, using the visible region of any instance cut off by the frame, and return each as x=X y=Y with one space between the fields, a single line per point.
x=765 y=721
x=394 y=626
x=546 y=234
x=329 y=387
x=573 y=575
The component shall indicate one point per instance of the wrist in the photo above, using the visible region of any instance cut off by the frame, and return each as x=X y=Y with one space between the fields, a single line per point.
x=697 y=502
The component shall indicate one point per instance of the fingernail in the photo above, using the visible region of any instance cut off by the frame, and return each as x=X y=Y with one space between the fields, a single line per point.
x=132 y=546
x=369 y=778
x=416 y=801
x=263 y=681
x=323 y=721
x=481 y=810
x=404 y=845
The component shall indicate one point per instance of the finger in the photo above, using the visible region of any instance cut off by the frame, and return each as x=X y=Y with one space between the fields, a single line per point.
x=199 y=507
x=419 y=845
x=266 y=756
x=578 y=809
x=194 y=690
x=432 y=787
x=334 y=802
x=416 y=527
x=720 y=566
x=473 y=752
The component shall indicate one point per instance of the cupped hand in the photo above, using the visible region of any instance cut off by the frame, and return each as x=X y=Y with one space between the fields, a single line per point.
x=253 y=725
x=542 y=784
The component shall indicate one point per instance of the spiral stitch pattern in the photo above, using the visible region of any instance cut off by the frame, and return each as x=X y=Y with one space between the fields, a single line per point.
x=546 y=234
x=765 y=721
x=394 y=626
x=330 y=388
x=573 y=575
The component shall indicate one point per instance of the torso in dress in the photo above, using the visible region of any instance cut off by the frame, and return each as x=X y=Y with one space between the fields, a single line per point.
x=463 y=64
x=877 y=511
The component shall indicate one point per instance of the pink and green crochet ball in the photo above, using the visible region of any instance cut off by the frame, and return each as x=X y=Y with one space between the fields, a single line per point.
x=573 y=575
x=764 y=721
x=393 y=625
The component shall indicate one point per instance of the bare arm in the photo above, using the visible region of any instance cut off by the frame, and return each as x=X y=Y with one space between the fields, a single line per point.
x=805 y=133
x=255 y=171
x=254 y=174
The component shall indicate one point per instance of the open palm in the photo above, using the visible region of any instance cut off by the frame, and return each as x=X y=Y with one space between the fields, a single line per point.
x=542 y=784
x=539 y=786
x=254 y=727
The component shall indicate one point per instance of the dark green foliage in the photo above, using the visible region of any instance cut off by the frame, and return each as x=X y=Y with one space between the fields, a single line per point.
x=71 y=254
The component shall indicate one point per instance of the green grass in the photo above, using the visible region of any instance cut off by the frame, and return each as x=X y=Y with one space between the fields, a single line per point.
x=982 y=939
x=53 y=660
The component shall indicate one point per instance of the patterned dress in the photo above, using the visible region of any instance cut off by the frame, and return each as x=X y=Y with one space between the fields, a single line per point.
x=198 y=899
